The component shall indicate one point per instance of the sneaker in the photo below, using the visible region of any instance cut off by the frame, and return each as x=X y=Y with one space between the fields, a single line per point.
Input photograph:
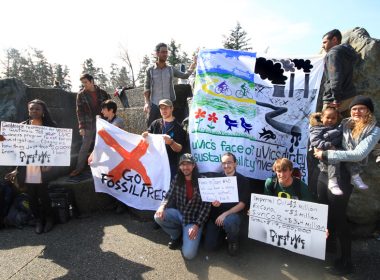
x=334 y=187
x=174 y=244
x=39 y=227
x=357 y=181
x=342 y=268
x=233 y=248
x=49 y=225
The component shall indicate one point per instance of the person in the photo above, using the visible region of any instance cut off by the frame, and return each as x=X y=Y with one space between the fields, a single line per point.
x=285 y=184
x=158 y=83
x=35 y=178
x=325 y=135
x=338 y=72
x=183 y=212
x=88 y=105
x=225 y=218
x=108 y=111
x=173 y=133
x=360 y=135
x=122 y=93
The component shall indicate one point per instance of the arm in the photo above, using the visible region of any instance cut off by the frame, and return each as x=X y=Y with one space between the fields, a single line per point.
x=236 y=209
x=267 y=190
x=147 y=86
x=160 y=211
x=335 y=71
x=317 y=140
x=176 y=147
x=80 y=114
x=360 y=152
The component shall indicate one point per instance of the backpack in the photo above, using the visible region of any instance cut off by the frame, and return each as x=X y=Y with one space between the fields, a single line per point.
x=20 y=213
x=296 y=184
x=62 y=203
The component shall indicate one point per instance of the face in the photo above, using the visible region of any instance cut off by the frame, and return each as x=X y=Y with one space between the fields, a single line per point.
x=329 y=117
x=87 y=85
x=327 y=44
x=166 y=111
x=228 y=164
x=36 y=111
x=187 y=168
x=162 y=54
x=359 y=112
x=284 y=175
x=107 y=113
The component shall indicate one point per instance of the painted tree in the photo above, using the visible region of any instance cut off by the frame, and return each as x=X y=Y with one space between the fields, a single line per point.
x=237 y=39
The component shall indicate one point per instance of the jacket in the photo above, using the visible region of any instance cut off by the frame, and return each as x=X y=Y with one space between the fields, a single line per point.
x=323 y=137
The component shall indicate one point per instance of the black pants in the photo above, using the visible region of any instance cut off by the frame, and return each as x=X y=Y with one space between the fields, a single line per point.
x=40 y=203
x=337 y=219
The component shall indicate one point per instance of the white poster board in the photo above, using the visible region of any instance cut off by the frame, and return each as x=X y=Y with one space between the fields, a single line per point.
x=295 y=225
x=223 y=189
x=34 y=145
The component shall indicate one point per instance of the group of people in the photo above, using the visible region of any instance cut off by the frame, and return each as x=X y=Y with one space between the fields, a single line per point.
x=342 y=149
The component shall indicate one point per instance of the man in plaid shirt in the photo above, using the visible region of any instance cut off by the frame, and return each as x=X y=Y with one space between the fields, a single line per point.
x=182 y=211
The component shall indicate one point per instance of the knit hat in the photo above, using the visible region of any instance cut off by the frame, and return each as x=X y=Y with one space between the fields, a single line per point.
x=362 y=100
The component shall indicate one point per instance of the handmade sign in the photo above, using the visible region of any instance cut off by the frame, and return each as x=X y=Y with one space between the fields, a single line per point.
x=34 y=145
x=295 y=225
x=222 y=189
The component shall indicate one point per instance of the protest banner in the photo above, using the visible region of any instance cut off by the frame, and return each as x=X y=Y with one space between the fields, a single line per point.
x=222 y=189
x=34 y=145
x=254 y=107
x=295 y=225
x=133 y=170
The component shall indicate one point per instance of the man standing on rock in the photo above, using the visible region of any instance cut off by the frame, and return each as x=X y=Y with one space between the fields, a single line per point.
x=159 y=82
x=339 y=89
x=88 y=103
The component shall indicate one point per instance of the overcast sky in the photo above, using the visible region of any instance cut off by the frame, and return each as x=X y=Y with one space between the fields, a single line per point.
x=70 y=31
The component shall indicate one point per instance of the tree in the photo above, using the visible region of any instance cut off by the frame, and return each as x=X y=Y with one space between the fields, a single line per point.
x=89 y=68
x=43 y=71
x=174 y=57
x=237 y=40
x=142 y=72
x=124 y=55
x=62 y=76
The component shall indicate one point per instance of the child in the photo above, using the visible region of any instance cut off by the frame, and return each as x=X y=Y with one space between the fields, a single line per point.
x=324 y=135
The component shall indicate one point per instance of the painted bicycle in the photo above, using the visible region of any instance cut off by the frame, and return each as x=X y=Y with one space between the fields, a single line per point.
x=244 y=92
x=223 y=88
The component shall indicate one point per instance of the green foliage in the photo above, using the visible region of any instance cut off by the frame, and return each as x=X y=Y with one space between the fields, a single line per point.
x=237 y=39
x=142 y=72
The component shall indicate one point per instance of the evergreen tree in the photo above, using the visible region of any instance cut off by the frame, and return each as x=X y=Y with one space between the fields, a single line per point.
x=237 y=40
x=89 y=68
x=142 y=72
x=43 y=71
x=174 y=57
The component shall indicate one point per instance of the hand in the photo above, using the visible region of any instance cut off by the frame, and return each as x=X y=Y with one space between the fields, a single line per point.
x=220 y=220
x=168 y=140
x=146 y=108
x=82 y=132
x=46 y=168
x=2 y=138
x=318 y=153
x=216 y=203
x=160 y=213
x=193 y=232
x=90 y=158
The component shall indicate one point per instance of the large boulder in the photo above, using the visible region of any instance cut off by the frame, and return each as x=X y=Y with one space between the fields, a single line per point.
x=364 y=206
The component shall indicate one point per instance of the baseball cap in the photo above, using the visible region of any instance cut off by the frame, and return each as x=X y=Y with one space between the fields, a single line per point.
x=165 y=102
x=186 y=158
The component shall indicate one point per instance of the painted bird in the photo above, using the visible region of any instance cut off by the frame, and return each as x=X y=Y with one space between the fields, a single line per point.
x=230 y=123
x=247 y=127
x=267 y=134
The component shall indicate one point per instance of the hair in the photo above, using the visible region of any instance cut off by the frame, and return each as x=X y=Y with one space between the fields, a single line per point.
x=334 y=109
x=46 y=118
x=334 y=33
x=87 y=77
x=282 y=164
x=160 y=45
x=358 y=126
x=180 y=177
x=231 y=155
x=110 y=105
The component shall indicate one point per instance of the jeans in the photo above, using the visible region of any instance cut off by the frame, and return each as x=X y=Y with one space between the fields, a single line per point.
x=231 y=226
x=172 y=225
x=87 y=140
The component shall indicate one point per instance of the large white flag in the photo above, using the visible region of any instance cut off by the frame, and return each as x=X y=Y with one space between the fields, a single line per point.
x=133 y=170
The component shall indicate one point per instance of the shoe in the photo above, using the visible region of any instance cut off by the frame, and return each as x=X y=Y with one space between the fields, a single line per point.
x=49 y=225
x=342 y=268
x=174 y=244
x=233 y=248
x=334 y=187
x=335 y=190
x=39 y=227
x=156 y=226
x=357 y=181
x=120 y=209
x=75 y=172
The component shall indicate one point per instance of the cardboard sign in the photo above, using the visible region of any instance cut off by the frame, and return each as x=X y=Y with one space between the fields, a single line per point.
x=223 y=189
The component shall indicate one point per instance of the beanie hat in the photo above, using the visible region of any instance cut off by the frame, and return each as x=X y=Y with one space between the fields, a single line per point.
x=362 y=100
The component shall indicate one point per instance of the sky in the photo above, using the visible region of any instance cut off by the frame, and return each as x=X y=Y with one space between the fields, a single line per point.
x=70 y=31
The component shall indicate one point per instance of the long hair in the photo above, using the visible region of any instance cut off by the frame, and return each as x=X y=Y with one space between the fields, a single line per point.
x=180 y=177
x=358 y=126
x=46 y=118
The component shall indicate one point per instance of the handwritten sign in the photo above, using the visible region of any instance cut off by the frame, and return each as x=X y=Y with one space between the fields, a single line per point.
x=295 y=225
x=35 y=145
x=223 y=189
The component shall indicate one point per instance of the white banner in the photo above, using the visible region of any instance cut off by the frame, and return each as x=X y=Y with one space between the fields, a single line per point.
x=222 y=189
x=298 y=226
x=255 y=107
x=34 y=145
x=129 y=168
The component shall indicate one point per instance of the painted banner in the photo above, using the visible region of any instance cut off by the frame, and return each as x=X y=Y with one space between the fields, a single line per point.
x=222 y=189
x=295 y=225
x=254 y=107
x=133 y=170
x=34 y=145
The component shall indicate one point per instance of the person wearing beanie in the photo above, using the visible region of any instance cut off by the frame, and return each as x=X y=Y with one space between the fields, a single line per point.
x=360 y=136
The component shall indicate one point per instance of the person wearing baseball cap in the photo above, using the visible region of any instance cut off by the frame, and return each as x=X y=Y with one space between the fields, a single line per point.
x=182 y=212
x=360 y=136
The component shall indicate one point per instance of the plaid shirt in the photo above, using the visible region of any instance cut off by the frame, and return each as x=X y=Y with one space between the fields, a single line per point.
x=194 y=211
